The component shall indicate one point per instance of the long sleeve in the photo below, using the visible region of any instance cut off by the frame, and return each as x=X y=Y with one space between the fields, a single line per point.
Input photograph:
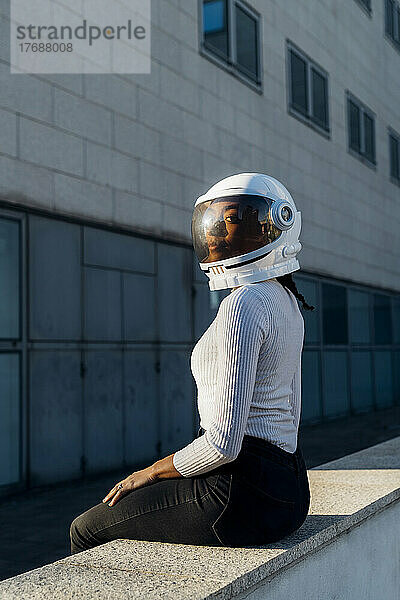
x=242 y=326
x=295 y=396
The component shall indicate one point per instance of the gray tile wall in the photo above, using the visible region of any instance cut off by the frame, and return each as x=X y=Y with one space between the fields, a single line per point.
x=110 y=327
x=136 y=150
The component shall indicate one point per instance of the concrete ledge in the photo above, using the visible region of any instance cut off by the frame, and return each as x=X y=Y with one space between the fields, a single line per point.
x=348 y=547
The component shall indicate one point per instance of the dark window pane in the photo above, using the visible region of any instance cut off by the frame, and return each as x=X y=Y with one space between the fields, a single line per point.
x=215 y=24
x=359 y=317
x=354 y=123
x=311 y=385
x=298 y=72
x=320 y=101
x=382 y=319
x=396 y=364
x=247 y=43
x=9 y=279
x=389 y=17
x=398 y=24
x=394 y=157
x=10 y=417
x=361 y=381
x=334 y=314
x=383 y=374
x=396 y=321
x=369 y=137
x=336 y=389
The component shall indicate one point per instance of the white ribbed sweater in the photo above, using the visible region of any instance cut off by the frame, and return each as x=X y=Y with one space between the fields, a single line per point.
x=247 y=367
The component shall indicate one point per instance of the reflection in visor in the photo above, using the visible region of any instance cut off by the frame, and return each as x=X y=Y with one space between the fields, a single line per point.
x=232 y=226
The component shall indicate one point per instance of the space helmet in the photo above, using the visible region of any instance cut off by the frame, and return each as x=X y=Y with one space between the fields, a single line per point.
x=246 y=229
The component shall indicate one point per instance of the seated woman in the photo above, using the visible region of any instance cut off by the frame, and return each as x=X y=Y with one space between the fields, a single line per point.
x=243 y=480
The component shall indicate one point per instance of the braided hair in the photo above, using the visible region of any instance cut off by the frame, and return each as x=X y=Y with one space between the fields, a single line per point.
x=287 y=281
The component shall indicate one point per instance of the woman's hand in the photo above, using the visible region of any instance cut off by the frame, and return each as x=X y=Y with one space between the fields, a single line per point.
x=162 y=469
x=132 y=482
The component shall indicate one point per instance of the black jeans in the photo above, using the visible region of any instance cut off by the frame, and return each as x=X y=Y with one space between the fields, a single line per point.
x=259 y=498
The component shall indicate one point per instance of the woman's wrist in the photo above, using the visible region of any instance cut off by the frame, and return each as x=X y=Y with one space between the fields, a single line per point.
x=154 y=471
x=164 y=469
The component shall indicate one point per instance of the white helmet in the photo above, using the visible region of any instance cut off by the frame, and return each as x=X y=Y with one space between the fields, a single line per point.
x=245 y=229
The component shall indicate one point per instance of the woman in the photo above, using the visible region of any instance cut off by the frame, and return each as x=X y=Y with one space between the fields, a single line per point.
x=243 y=480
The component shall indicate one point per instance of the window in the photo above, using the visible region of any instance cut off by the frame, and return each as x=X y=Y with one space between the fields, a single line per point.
x=392 y=21
x=382 y=319
x=383 y=376
x=334 y=314
x=362 y=393
x=355 y=365
x=11 y=327
x=9 y=279
x=308 y=89
x=361 y=127
x=394 y=149
x=215 y=26
x=359 y=312
x=396 y=320
x=311 y=385
x=231 y=34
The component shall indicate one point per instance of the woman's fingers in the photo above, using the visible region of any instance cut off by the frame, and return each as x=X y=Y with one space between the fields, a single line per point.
x=111 y=493
x=117 y=496
x=132 y=482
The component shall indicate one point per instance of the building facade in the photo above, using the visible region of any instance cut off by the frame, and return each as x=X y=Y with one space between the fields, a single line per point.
x=101 y=298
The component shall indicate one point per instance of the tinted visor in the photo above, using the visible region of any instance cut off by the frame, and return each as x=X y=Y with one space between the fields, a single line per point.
x=231 y=226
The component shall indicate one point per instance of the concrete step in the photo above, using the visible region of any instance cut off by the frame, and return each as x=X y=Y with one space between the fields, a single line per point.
x=347 y=548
